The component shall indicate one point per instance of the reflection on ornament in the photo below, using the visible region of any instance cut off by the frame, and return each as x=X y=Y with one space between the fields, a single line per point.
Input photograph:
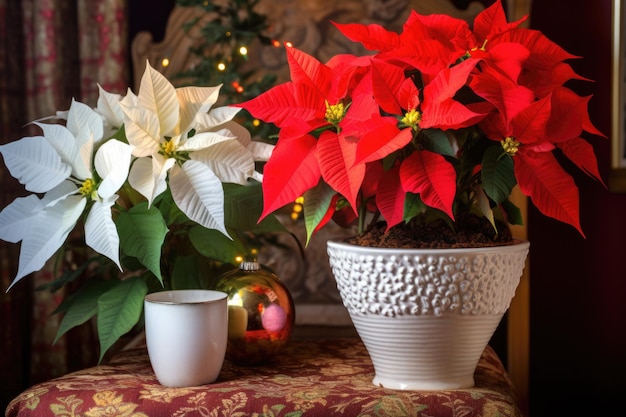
x=261 y=313
x=237 y=317
x=273 y=318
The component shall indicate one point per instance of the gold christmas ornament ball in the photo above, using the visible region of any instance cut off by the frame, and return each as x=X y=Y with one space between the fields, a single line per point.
x=261 y=314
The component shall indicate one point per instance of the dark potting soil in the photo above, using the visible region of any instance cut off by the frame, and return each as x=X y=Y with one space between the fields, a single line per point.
x=469 y=232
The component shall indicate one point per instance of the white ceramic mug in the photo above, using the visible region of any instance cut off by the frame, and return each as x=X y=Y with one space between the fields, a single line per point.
x=186 y=335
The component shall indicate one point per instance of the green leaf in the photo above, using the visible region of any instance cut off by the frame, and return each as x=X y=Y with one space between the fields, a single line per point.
x=498 y=177
x=413 y=206
x=484 y=207
x=67 y=277
x=120 y=134
x=142 y=231
x=168 y=208
x=243 y=205
x=213 y=244
x=184 y=274
x=132 y=195
x=513 y=213
x=436 y=140
x=193 y=272
x=119 y=309
x=316 y=204
x=81 y=306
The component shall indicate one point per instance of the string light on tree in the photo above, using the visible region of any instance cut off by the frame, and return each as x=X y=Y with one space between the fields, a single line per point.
x=238 y=87
x=297 y=208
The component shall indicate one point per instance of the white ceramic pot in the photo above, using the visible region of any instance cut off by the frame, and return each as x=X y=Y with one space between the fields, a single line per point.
x=186 y=335
x=426 y=315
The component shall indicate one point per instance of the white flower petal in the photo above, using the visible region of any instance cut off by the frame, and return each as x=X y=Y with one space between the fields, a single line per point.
x=130 y=99
x=147 y=176
x=84 y=122
x=205 y=140
x=63 y=142
x=241 y=133
x=48 y=230
x=199 y=194
x=158 y=95
x=83 y=162
x=60 y=114
x=194 y=101
x=216 y=117
x=15 y=219
x=60 y=192
x=140 y=177
x=230 y=161
x=74 y=151
x=112 y=163
x=100 y=231
x=142 y=130
x=35 y=163
x=260 y=151
x=109 y=108
x=257 y=176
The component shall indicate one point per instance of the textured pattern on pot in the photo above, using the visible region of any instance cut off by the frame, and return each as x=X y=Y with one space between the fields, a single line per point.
x=398 y=282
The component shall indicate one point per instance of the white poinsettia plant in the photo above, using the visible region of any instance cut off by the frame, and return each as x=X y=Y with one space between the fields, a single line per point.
x=160 y=185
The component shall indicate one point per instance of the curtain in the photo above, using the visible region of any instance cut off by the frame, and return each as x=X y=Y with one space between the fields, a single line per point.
x=51 y=51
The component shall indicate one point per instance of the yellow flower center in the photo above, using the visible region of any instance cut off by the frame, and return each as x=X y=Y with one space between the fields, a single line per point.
x=412 y=118
x=510 y=145
x=167 y=148
x=87 y=188
x=482 y=47
x=477 y=51
x=334 y=113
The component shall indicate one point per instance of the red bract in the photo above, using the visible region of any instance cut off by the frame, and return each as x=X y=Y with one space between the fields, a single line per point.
x=292 y=170
x=440 y=109
x=432 y=177
x=451 y=114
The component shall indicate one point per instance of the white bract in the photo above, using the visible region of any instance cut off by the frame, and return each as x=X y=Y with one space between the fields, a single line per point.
x=62 y=166
x=75 y=169
x=109 y=108
x=174 y=132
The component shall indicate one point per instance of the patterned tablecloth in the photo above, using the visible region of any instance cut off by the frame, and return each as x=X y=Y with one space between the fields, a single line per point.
x=309 y=378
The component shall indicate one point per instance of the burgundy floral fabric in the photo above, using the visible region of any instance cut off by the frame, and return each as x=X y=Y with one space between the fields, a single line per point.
x=309 y=378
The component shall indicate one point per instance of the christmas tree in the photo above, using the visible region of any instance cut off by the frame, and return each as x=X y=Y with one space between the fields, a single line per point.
x=223 y=52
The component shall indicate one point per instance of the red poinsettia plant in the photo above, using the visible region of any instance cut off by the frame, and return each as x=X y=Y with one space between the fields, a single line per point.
x=440 y=120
